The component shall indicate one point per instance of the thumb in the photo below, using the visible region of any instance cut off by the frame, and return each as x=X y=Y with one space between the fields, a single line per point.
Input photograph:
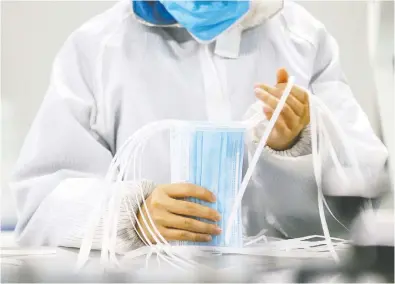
x=282 y=76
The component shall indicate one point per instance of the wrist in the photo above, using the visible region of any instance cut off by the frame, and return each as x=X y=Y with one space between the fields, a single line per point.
x=285 y=146
x=301 y=146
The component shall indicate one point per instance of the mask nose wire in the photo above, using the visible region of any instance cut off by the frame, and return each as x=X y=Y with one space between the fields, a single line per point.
x=256 y=157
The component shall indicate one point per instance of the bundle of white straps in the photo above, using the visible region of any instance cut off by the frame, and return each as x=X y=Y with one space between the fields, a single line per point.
x=128 y=161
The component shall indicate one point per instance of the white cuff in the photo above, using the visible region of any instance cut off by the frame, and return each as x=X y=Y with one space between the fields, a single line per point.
x=83 y=204
x=131 y=199
x=301 y=148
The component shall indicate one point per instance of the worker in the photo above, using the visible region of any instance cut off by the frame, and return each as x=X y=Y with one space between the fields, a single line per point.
x=143 y=61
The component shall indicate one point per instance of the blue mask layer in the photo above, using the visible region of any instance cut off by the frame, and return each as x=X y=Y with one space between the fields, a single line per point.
x=215 y=163
x=206 y=20
x=153 y=12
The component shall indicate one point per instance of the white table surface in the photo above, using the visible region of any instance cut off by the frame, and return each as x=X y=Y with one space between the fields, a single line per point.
x=57 y=265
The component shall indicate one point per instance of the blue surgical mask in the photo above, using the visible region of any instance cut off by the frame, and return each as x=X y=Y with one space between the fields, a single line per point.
x=153 y=12
x=206 y=20
x=212 y=157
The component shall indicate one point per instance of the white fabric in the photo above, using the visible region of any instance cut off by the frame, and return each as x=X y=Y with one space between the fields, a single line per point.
x=114 y=75
x=374 y=228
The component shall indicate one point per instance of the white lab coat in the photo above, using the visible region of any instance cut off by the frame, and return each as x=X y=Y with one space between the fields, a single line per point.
x=115 y=74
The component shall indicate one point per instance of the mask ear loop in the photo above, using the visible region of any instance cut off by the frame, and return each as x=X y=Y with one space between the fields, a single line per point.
x=118 y=161
x=164 y=244
x=95 y=218
x=86 y=245
x=158 y=237
x=256 y=157
x=350 y=157
x=136 y=154
x=148 y=243
x=111 y=219
x=133 y=152
x=110 y=224
x=339 y=169
x=348 y=150
x=317 y=166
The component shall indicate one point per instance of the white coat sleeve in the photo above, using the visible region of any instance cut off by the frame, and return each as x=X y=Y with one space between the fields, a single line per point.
x=285 y=182
x=329 y=84
x=62 y=158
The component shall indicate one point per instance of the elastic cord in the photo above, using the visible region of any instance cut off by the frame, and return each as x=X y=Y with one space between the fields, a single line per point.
x=155 y=233
x=339 y=168
x=256 y=157
x=87 y=242
x=317 y=172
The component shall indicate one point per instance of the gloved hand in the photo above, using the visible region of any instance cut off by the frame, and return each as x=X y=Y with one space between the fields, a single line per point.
x=171 y=215
x=294 y=117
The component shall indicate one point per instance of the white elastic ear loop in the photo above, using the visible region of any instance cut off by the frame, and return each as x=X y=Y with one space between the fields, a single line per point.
x=123 y=175
x=136 y=176
x=133 y=156
x=87 y=241
x=135 y=151
x=317 y=166
x=134 y=220
x=145 y=239
x=256 y=157
x=114 y=229
x=336 y=162
x=137 y=157
x=159 y=239
x=129 y=148
x=349 y=151
x=256 y=240
x=107 y=221
x=150 y=245
x=152 y=127
x=94 y=220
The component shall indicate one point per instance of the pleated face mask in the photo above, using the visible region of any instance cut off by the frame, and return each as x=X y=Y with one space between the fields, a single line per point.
x=211 y=156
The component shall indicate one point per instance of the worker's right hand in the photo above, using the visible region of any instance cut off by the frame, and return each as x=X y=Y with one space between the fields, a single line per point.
x=172 y=216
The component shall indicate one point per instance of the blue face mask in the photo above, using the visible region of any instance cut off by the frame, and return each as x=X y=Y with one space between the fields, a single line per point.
x=214 y=161
x=153 y=12
x=206 y=20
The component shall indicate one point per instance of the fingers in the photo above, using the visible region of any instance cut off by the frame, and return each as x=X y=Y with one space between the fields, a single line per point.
x=271 y=101
x=191 y=209
x=189 y=224
x=266 y=92
x=298 y=92
x=182 y=190
x=181 y=235
x=282 y=76
x=281 y=124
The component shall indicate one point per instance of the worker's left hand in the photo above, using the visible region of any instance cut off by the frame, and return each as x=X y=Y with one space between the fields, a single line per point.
x=294 y=117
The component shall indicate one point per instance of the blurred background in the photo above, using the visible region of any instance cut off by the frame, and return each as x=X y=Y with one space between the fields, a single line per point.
x=33 y=31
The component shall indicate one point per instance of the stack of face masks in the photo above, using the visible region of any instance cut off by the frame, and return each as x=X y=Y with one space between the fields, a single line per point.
x=211 y=156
